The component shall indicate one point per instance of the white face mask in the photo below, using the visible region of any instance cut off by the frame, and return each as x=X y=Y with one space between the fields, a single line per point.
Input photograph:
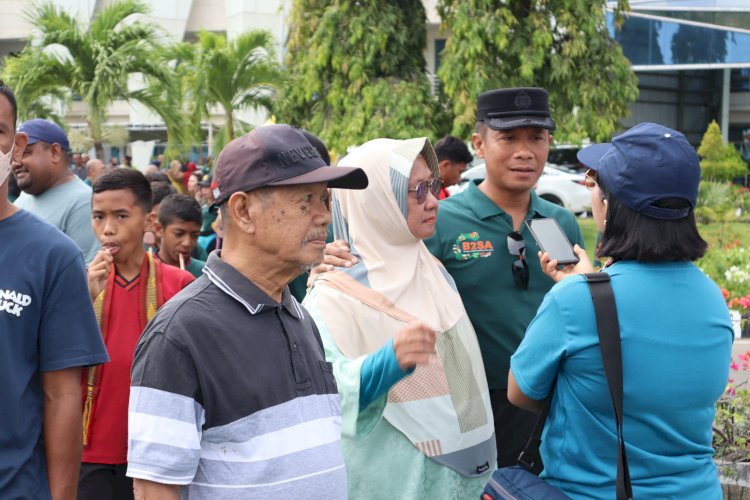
x=5 y=160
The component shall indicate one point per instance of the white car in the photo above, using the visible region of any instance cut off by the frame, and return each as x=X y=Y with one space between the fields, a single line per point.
x=561 y=188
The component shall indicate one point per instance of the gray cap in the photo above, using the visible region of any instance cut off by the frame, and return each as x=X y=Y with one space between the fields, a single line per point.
x=277 y=155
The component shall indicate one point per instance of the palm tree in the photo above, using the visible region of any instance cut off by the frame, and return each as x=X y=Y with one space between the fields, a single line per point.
x=38 y=95
x=240 y=74
x=91 y=61
x=164 y=96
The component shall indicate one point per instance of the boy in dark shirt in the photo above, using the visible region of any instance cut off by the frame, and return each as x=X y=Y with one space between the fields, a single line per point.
x=127 y=286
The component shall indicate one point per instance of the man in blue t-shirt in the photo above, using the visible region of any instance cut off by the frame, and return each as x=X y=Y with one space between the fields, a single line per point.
x=48 y=331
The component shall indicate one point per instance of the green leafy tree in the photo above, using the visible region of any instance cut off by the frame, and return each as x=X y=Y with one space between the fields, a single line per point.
x=721 y=162
x=92 y=61
x=563 y=46
x=358 y=71
x=238 y=74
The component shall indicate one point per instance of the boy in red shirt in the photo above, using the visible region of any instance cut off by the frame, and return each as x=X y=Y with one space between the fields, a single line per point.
x=127 y=286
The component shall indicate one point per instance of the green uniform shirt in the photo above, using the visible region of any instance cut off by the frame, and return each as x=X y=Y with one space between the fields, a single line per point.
x=199 y=253
x=209 y=216
x=471 y=241
x=195 y=267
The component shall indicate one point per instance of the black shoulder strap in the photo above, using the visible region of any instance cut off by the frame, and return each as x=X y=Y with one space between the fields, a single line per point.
x=608 y=325
x=530 y=458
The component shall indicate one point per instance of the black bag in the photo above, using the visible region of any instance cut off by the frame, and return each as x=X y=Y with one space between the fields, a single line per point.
x=522 y=481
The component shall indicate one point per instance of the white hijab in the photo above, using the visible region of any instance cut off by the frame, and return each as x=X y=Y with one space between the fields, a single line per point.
x=443 y=407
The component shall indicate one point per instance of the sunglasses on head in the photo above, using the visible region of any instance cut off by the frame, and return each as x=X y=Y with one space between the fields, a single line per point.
x=432 y=186
x=591 y=181
x=519 y=268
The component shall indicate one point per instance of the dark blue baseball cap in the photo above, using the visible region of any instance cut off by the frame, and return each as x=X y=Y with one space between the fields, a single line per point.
x=45 y=131
x=646 y=164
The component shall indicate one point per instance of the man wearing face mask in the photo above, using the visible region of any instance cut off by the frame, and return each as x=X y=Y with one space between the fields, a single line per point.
x=48 y=331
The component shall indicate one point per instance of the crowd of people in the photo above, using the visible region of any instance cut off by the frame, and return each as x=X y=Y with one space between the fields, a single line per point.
x=284 y=328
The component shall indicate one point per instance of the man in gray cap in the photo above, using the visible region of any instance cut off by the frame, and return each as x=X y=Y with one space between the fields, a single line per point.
x=484 y=244
x=254 y=411
x=50 y=188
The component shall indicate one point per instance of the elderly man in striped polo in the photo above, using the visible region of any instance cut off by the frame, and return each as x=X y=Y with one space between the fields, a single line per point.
x=231 y=395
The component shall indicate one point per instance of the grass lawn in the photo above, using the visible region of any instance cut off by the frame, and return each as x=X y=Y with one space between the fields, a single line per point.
x=719 y=234
x=716 y=234
x=589 y=234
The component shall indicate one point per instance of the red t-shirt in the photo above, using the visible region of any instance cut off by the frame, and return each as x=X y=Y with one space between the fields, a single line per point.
x=108 y=434
x=444 y=193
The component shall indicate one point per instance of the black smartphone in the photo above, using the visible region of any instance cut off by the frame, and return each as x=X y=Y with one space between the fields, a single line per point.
x=550 y=238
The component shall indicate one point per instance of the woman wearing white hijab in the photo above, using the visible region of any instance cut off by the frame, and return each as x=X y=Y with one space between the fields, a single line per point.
x=424 y=432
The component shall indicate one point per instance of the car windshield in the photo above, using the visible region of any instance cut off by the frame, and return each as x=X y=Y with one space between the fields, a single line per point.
x=565 y=158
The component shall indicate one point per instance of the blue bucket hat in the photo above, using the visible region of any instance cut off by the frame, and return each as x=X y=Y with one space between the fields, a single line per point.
x=45 y=131
x=646 y=164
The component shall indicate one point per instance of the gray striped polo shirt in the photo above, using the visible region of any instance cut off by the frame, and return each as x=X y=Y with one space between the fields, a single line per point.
x=231 y=396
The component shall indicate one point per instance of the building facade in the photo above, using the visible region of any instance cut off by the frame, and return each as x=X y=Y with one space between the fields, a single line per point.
x=692 y=57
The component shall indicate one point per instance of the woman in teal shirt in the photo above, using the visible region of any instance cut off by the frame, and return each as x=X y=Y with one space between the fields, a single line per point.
x=674 y=326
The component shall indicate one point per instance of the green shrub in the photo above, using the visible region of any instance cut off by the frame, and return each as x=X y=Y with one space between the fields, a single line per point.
x=717 y=202
x=721 y=162
x=729 y=267
x=732 y=422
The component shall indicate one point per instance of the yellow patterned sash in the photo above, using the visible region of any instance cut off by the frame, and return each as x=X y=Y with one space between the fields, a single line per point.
x=151 y=298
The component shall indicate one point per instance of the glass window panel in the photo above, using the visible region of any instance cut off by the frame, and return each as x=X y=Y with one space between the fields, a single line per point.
x=652 y=42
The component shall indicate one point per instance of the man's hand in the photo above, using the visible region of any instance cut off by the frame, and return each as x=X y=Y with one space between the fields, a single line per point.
x=550 y=266
x=98 y=273
x=337 y=254
x=414 y=345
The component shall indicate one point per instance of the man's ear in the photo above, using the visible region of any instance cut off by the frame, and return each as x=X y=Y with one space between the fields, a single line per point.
x=56 y=152
x=442 y=165
x=21 y=141
x=551 y=139
x=478 y=141
x=241 y=211
x=152 y=224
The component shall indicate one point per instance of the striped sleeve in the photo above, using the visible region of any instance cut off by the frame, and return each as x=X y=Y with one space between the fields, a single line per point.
x=165 y=417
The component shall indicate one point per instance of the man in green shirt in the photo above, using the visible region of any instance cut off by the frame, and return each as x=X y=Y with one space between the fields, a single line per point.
x=481 y=238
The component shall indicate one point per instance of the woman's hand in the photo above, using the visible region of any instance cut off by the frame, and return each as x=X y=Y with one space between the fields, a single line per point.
x=550 y=268
x=337 y=254
x=414 y=345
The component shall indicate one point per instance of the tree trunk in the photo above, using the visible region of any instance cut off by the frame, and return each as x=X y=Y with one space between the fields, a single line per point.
x=99 y=148
x=228 y=126
x=95 y=130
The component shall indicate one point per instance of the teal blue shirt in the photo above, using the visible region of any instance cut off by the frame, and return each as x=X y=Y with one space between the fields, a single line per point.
x=195 y=267
x=380 y=372
x=676 y=345
x=66 y=206
x=471 y=241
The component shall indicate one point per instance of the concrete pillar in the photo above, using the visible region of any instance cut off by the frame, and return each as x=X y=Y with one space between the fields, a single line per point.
x=726 y=80
x=141 y=153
